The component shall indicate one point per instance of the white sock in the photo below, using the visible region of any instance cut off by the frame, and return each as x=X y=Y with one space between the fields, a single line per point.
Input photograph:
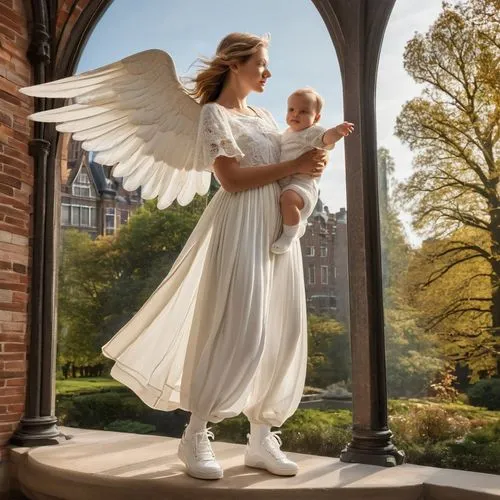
x=195 y=425
x=258 y=432
x=282 y=244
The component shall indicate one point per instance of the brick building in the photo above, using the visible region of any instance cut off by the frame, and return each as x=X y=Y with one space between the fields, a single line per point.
x=91 y=199
x=324 y=253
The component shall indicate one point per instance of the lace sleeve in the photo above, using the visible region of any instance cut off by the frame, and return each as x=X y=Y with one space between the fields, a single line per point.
x=215 y=138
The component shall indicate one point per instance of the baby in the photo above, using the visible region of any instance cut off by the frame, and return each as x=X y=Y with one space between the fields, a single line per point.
x=299 y=193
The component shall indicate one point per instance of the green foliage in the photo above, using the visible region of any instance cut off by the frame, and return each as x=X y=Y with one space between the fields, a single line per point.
x=232 y=430
x=142 y=254
x=477 y=416
x=307 y=431
x=329 y=358
x=423 y=424
x=84 y=385
x=93 y=411
x=103 y=282
x=478 y=451
x=83 y=276
x=412 y=363
x=486 y=393
x=101 y=410
x=130 y=426
x=436 y=434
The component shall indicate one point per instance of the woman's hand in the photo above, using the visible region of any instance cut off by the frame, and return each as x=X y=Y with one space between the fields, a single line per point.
x=311 y=162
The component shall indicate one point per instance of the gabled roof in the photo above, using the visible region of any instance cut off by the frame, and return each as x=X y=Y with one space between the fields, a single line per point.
x=103 y=183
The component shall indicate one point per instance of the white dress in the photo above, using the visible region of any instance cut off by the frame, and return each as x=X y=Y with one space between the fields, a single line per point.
x=293 y=144
x=226 y=330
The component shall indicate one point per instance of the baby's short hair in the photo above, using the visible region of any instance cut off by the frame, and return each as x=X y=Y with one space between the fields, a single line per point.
x=309 y=90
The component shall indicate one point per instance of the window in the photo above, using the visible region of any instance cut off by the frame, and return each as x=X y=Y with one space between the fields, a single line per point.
x=311 y=274
x=123 y=216
x=334 y=272
x=66 y=214
x=323 y=251
x=87 y=216
x=78 y=215
x=310 y=251
x=81 y=186
x=75 y=216
x=110 y=220
x=324 y=275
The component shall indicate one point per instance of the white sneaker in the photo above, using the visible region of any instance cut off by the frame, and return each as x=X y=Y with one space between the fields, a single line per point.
x=196 y=453
x=267 y=455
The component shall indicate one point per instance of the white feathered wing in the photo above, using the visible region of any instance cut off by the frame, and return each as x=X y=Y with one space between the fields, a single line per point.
x=137 y=116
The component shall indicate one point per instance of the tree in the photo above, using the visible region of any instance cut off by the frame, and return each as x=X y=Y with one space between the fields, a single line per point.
x=463 y=338
x=102 y=283
x=454 y=128
x=142 y=254
x=413 y=361
x=83 y=277
x=329 y=358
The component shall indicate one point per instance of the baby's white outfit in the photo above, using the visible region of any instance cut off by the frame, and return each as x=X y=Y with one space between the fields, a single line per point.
x=293 y=144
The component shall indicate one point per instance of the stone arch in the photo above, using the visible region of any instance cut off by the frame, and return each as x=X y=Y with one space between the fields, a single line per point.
x=356 y=28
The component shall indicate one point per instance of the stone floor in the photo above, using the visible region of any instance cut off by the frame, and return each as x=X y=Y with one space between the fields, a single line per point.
x=103 y=465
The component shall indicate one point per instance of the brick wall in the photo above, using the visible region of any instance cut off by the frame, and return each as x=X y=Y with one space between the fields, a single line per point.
x=16 y=184
x=68 y=12
x=16 y=201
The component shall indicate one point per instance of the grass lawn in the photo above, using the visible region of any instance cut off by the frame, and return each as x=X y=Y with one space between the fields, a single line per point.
x=85 y=385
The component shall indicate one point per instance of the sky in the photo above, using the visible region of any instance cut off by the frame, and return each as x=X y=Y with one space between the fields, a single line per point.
x=301 y=53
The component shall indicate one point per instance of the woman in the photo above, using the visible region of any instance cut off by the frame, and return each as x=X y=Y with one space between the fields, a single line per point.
x=218 y=336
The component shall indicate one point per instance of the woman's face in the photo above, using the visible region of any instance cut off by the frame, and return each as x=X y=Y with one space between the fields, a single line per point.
x=253 y=74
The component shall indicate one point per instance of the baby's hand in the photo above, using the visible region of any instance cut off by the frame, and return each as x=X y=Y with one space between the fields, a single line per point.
x=344 y=129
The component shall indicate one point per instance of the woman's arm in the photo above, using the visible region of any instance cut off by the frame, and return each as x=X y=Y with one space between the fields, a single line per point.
x=234 y=178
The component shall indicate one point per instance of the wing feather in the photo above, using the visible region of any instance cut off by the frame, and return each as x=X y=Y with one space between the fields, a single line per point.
x=136 y=115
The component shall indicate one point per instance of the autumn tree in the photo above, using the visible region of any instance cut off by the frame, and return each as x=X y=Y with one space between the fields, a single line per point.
x=454 y=128
x=463 y=339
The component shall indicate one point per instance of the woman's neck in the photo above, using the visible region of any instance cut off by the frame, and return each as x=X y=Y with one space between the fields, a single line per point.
x=233 y=98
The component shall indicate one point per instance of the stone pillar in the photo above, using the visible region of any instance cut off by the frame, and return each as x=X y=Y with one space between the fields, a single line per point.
x=357 y=29
x=39 y=424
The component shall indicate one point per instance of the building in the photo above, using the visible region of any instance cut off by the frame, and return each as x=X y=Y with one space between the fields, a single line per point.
x=324 y=254
x=91 y=199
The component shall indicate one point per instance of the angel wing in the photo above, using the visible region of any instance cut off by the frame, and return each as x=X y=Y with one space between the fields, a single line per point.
x=136 y=115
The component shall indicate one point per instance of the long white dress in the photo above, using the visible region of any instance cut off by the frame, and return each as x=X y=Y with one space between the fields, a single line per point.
x=226 y=330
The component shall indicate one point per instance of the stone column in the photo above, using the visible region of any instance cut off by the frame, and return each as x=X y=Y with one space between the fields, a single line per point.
x=357 y=29
x=39 y=424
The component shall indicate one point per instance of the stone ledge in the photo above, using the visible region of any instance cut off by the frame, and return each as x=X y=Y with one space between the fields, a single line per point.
x=104 y=465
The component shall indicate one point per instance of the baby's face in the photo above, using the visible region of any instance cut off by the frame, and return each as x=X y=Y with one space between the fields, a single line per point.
x=301 y=112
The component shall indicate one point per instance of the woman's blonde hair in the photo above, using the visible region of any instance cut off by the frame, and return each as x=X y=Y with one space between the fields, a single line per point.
x=233 y=48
